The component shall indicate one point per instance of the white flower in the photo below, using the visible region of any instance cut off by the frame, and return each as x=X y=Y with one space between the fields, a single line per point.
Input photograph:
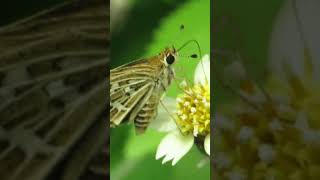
x=192 y=115
x=295 y=39
x=294 y=55
x=288 y=111
x=174 y=146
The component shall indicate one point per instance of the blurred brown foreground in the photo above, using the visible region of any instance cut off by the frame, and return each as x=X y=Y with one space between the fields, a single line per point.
x=53 y=93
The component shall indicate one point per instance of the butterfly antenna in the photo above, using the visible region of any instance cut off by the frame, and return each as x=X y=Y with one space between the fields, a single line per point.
x=188 y=42
x=195 y=55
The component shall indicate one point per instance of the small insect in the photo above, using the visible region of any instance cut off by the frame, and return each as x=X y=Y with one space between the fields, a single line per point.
x=136 y=88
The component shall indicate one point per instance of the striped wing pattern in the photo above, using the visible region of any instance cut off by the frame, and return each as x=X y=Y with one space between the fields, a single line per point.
x=134 y=94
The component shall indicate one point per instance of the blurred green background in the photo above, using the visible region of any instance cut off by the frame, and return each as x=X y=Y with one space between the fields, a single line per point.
x=142 y=29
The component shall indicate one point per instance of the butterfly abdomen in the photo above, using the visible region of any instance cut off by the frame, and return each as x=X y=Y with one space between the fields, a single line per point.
x=145 y=116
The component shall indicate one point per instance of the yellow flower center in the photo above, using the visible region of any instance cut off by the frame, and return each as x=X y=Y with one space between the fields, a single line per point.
x=194 y=110
x=288 y=127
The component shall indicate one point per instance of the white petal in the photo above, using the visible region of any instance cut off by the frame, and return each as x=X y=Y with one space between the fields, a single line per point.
x=202 y=72
x=183 y=148
x=164 y=122
x=174 y=146
x=286 y=44
x=167 y=158
x=207 y=144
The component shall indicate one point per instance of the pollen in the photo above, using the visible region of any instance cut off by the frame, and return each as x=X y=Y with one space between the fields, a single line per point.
x=194 y=110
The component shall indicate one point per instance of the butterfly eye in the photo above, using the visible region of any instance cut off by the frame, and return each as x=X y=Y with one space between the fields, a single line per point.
x=170 y=59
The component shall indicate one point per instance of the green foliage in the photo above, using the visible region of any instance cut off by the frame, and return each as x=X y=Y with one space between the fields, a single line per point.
x=195 y=17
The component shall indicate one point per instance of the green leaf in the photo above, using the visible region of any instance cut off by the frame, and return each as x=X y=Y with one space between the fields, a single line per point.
x=146 y=167
x=118 y=140
x=138 y=146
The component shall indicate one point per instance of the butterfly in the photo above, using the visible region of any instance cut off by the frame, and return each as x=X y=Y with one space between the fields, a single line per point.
x=136 y=89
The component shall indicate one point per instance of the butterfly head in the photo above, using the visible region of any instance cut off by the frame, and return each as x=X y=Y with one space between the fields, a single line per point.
x=169 y=56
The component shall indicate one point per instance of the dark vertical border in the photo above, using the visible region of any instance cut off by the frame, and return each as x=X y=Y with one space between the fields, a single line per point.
x=108 y=91
x=212 y=107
